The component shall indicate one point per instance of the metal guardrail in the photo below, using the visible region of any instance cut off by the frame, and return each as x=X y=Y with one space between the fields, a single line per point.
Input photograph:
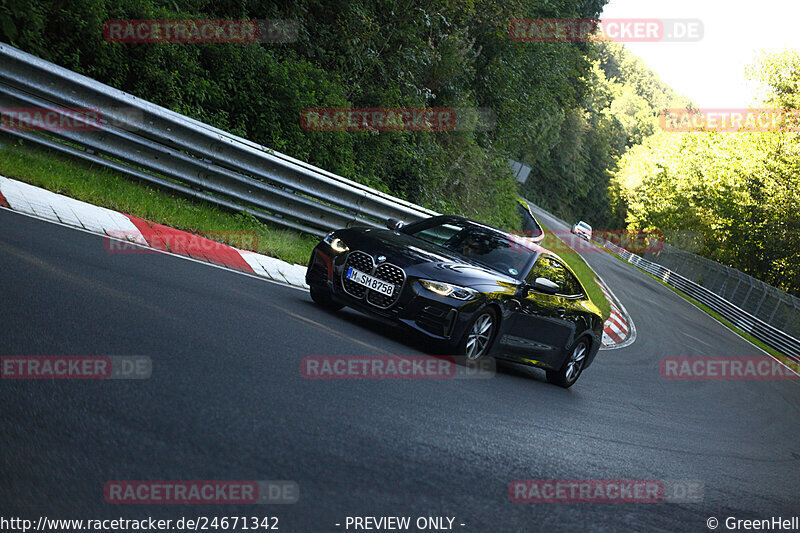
x=171 y=151
x=759 y=329
x=765 y=332
x=770 y=304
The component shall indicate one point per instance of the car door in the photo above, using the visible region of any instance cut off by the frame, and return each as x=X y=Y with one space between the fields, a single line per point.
x=540 y=327
x=570 y=300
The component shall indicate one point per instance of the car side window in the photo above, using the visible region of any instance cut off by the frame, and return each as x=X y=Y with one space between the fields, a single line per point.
x=570 y=286
x=530 y=228
x=555 y=271
x=543 y=268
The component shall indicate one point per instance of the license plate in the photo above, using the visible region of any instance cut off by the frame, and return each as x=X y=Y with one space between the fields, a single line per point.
x=369 y=282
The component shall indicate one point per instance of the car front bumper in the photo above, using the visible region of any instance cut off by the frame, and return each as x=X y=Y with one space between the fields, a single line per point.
x=438 y=317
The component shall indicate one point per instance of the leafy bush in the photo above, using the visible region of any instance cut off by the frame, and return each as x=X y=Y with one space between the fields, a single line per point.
x=440 y=53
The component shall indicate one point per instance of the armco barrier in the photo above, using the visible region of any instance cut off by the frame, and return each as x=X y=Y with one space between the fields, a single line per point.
x=171 y=151
x=174 y=152
x=772 y=305
x=759 y=329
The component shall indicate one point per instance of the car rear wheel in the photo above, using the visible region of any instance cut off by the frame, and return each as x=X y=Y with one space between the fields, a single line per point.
x=477 y=340
x=322 y=297
x=572 y=368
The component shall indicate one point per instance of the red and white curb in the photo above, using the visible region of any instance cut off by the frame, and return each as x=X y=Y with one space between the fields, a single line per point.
x=618 y=330
x=40 y=203
x=122 y=228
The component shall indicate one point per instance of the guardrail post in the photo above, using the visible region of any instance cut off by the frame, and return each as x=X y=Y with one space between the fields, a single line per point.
x=761 y=302
x=736 y=289
x=789 y=316
x=747 y=296
x=772 y=316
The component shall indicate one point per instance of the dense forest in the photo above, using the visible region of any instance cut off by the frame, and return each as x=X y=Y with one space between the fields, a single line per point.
x=731 y=196
x=572 y=168
x=568 y=110
x=360 y=53
x=583 y=115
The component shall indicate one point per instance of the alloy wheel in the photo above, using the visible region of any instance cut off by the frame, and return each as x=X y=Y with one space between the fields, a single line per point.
x=479 y=336
x=575 y=363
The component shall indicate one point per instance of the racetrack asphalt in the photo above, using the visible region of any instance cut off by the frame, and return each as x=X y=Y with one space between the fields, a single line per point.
x=226 y=401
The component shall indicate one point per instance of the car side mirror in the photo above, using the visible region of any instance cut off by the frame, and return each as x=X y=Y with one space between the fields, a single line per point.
x=546 y=286
x=394 y=223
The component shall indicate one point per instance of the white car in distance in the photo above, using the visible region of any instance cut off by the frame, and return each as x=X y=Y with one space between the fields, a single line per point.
x=583 y=230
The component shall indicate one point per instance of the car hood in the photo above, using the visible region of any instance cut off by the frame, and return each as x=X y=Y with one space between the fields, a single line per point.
x=420 y=258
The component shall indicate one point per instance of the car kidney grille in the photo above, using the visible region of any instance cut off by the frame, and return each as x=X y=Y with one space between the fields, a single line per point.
x=384 y=272
x=359 y=261
x=390 y=274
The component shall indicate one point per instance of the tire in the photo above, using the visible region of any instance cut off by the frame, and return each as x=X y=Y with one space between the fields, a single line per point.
x=322 y=297
x=572 y=367
x=477 y=339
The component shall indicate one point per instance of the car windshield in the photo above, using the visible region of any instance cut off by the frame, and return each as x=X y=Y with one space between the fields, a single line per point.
x=584 y=225
x=499 y=251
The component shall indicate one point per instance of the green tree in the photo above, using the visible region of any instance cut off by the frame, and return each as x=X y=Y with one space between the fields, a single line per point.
x=738 y=192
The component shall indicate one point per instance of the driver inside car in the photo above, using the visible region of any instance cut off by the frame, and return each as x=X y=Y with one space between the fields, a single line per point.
x=472 y=246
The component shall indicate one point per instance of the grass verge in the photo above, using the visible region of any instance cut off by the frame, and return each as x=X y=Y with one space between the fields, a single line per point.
x=707 y=310
x=581 y=269
x=96 y=185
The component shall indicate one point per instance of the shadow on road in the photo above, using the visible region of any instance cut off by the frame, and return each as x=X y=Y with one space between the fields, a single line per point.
x=416 y=341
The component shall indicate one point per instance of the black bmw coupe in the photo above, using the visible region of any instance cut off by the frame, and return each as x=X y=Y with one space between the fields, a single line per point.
x=481 y=290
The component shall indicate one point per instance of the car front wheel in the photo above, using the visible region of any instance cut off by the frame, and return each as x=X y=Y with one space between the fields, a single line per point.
x=477 y=340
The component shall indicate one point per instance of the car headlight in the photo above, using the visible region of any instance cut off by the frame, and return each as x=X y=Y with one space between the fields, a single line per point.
x=336 y=243
x=446 y=289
